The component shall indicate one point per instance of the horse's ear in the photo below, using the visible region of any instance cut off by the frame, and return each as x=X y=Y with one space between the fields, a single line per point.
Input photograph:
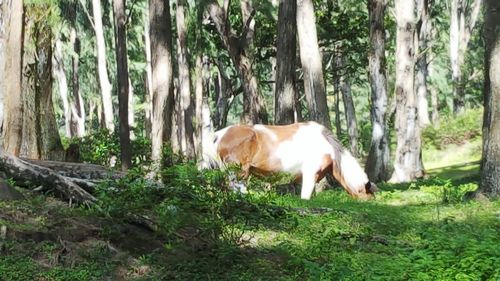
x=371 y=187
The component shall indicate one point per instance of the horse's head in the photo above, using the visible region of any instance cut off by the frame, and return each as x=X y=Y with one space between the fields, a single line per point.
x=368 y=192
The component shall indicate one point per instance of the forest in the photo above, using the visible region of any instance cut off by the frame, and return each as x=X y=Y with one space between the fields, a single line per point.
x=110 y=110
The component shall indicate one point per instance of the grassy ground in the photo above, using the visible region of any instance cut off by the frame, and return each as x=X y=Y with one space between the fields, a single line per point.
x=407 y=233
x=419 y=231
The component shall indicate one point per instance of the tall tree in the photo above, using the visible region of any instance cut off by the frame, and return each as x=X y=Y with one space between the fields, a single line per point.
x=310 y=57
x=76 y=103
x=254 y=110
x=62 y=82
x=421 y=73
x=286 y=42
x=13 y=102
x=102 y=68
x=224 y=95
x=490 y=165
x=350 y=114
x=463 y=17
x=407 y=166
x=2 y=61
x=162 y=74
x=123 y=82
x=378 y=162
x=186 y=113
x=40 y=138
x=337 y=73
x=148 y=78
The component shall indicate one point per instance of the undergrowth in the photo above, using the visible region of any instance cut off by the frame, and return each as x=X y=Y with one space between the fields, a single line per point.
x=421 y=231
x=454 y=130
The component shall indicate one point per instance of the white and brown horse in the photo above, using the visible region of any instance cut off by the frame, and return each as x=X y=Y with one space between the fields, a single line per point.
x=307 y=150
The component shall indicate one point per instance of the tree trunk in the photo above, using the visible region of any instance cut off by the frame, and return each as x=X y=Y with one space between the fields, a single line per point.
x=286 y=90
x=62 y=82
x=13 y=102
x=123 y=82
x=224 y=96
x=162 y=74
x=198 y=103
x=378 y=162
x=421 y=73
x=186 y=105
x=2 y=63
x=434 y=99
x=407 y=165
x=462 y=20
x=350 y=114
x=20 y=170
x=76 y=103
x=310 y=57
x=490 y=165
x=148 y=114
x=102 y=68
x=47 y=130
x=254 y=110
x=336 y=89
x=131 y=109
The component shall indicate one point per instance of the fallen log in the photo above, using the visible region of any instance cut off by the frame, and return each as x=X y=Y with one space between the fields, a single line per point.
x=78 y=170
x=22 y=170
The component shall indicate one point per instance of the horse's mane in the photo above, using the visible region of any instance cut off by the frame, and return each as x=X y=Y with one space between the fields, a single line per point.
x=346 y=168
x=338 y=149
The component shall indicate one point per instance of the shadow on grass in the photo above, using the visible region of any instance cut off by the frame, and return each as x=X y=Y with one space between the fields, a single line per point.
x=456 y=171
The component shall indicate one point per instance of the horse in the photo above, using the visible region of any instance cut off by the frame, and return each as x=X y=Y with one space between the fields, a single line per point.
x=306 y=150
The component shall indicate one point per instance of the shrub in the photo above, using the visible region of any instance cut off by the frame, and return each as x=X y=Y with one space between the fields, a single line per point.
x=448 y=192
x=454 y=130
x=101 y=147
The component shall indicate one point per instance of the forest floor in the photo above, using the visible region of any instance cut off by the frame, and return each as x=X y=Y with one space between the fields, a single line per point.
x=418 y=231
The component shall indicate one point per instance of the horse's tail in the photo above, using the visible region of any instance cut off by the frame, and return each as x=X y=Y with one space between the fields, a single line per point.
x=210 y=144
x=347 y=170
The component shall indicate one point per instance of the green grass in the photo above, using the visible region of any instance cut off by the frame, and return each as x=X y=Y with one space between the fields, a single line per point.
x=418 y=231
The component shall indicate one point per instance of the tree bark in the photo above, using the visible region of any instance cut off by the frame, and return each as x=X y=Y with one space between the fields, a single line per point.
x=148 y=113
x=198 y=102
x=123 y=82
x=350 y=114
x=48 y=133
x=186 y=112
x=286 y=42
x=254 y=110
x=2 y=64
x=490 y=164
x=40 y=139
x=434 y=99
x=462 y=22
x=378 y=162
x=421 y=73
x=162 y=74
x=310 y=57
x=23 y=171
x=407 y=166
x=62 y=82
x=76 y=103
x=224 y=96
x=13 y=102
x=336 y=89
x=102 y=68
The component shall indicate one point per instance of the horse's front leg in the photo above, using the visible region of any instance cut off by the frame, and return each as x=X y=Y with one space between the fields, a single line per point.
x=308 y=180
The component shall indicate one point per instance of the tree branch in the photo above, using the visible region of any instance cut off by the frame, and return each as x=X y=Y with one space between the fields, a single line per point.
x=247 y=28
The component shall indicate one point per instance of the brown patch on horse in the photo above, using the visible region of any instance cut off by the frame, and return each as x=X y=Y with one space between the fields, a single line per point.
x=238 y=146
